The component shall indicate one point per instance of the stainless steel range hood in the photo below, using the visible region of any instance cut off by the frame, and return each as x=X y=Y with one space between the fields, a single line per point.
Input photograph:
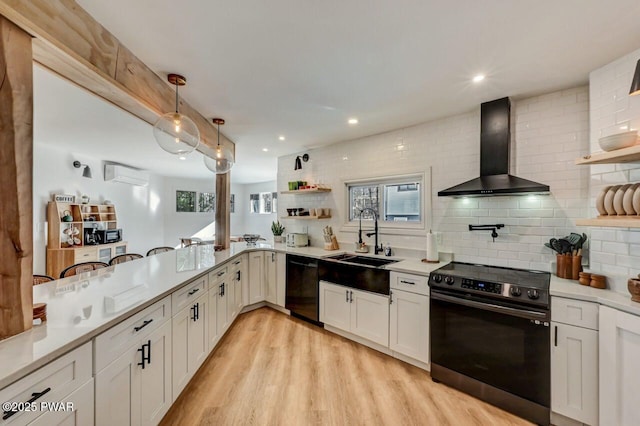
x=495 y=137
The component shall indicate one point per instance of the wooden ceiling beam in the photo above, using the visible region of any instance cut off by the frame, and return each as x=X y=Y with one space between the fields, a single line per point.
x=70 y=42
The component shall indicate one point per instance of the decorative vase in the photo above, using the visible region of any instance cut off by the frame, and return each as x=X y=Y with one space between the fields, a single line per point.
x=277 y=238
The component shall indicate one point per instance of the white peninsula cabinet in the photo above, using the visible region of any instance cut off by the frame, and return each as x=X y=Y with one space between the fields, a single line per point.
x=619 y=368
x=361 y=313
x=67 y=379
x=574 y=359
x=409 y=316
x=133 y=368
x=276 y=270
x=190 y=332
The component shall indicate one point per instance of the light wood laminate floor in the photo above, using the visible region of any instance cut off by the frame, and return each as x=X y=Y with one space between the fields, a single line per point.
x=272 y=369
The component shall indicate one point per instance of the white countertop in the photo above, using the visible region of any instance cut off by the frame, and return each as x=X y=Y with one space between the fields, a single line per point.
x=76 y=309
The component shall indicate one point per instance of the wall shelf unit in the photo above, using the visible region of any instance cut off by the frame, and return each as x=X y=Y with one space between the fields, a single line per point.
x=611 y=221
x=307 y=191
x=305 y=217
x=623 y=155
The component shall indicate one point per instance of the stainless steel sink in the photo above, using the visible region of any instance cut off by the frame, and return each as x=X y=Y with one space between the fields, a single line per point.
x=362 y=260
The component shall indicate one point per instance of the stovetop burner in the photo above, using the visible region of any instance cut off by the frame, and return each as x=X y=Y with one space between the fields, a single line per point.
x=515 y=285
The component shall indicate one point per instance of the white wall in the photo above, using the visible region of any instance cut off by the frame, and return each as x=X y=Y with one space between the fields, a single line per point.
x=239 y=215
x=551 y=131
x=615 y=251
x=185 y=224
x=255 y=223
x=139 y=209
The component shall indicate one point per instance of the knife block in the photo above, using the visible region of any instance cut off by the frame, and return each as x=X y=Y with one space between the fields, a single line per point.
x=568 y=267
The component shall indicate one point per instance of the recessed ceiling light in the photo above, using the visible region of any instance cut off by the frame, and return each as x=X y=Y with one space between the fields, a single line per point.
x=281 y=138
x=265 y=149
x=353 y=121
x=478 y=78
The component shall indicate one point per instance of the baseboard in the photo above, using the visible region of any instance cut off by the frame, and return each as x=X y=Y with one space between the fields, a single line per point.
x=560 y=420
x=253 y=307
x=378 y=347
x=278 y=308
x=412 y=361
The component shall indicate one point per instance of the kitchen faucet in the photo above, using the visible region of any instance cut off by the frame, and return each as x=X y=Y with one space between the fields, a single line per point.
x=376 y=249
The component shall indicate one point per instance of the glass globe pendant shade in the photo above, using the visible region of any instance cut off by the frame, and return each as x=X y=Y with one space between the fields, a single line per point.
x=222 y=161
x=176 y=133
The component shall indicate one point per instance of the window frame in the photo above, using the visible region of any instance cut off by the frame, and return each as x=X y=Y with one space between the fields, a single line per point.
x=196 y=202
x=393 y=227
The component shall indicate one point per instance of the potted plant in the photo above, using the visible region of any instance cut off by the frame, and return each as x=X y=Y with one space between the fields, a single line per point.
x=278 y=230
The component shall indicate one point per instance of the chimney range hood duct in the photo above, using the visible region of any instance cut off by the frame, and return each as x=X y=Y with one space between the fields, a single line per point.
x=495 y=136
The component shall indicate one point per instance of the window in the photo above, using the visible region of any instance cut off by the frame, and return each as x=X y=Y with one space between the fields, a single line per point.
x=232 y=206
x=207 y=202
x=185 y=201
x=396 y=201
x=263 y=203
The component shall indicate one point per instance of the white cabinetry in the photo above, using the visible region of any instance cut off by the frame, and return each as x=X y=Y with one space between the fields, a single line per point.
x=409 y=316
x=574 y=359
x=135 y=388
x=57 y=381
x=359 y=312
x=281 y=278
x=256 y=277
x=80 y=415
x=619 y=372
x=276 y=270
x=190 y=328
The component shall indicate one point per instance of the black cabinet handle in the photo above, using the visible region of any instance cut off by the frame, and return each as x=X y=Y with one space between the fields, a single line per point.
x=346 y=293
x=273 y=257
x=555 y=338
x=407 y=282
x=238 y=275
x=34 y=397
x=193 y=312
x=221 y=273
x=144 y=324
x=237 y=262
x=145 y=359
x=194 y=291
x=197 y=311
x=351 y=301
x=222 y=290
x=390 y=297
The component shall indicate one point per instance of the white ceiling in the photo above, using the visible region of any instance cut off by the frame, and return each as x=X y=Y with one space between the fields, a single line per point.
x=301 y=68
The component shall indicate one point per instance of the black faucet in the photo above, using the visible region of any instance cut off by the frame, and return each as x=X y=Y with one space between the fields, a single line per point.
x=376 y=249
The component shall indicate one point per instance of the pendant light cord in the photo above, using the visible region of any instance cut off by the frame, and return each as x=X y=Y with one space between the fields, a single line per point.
x=177 y=85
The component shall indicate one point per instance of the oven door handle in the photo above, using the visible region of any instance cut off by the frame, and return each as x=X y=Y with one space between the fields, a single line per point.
x=522 y=313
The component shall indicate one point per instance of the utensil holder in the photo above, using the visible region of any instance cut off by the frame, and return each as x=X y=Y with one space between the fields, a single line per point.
x=576 y=267
x=561 y=265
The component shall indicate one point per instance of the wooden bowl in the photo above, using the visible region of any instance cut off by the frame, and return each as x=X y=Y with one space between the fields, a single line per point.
x=633 y=285
x=598 y=281
x=40 y=311
x=585 y=278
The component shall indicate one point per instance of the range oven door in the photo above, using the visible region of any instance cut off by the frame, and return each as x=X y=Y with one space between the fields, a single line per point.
x=504 y=346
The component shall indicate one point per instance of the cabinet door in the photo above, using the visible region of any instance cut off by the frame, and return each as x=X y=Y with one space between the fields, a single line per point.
x=281 y=278
x=222 y=323
x=155 y=395
x=574 y=372
x=180 y=350
x=256 y=277
x=409 y=324
x=212 y=318
x=118 y=391
x=335 y=309
x=270 y=287
x=198 y=335
x=230 y=290
x=238 y=291
x=80 y=415
x=370 y=316
x=619 y=344
x=104 y=254
x=120 y=249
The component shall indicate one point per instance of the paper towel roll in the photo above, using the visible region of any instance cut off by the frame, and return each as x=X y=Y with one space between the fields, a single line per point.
x=432 y=248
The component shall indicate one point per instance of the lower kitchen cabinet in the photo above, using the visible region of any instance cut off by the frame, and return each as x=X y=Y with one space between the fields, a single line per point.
x=281 y=278
x=359 y=312
x=80 y=415
x=135 y=389
x=275 y=288
x=574 y=359
x=223 y=319
x=190 y=342
x=409 y=324
x=619 y=373
x=214 y=337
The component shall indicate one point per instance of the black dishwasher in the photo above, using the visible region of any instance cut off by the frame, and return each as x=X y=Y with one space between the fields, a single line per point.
x=302 y=287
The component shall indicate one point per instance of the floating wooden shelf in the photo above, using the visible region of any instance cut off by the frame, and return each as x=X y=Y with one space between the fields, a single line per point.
x=624 y=155
x=611 y=221
x=306 y=217
x=307 y=191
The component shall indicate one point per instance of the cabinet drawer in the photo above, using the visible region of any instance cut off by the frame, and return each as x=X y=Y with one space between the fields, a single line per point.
x=53 y=382
x=190 y=292
x=236 y=263
x=408 y=282
x=87 y=254
x=115 y=341
x=574 y=312
x=217 y=276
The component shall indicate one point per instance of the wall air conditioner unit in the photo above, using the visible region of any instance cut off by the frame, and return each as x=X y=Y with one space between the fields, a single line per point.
x=124 y=174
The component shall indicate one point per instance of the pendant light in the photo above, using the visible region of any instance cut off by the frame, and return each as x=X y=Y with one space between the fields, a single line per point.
x=176 y=133
x=223 y=159
x=635 y=83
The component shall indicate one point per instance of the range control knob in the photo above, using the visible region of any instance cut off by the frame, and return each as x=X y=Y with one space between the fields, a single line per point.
x=437 y=278
x=449 y=280
x=533 y=293
x=515 y=291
